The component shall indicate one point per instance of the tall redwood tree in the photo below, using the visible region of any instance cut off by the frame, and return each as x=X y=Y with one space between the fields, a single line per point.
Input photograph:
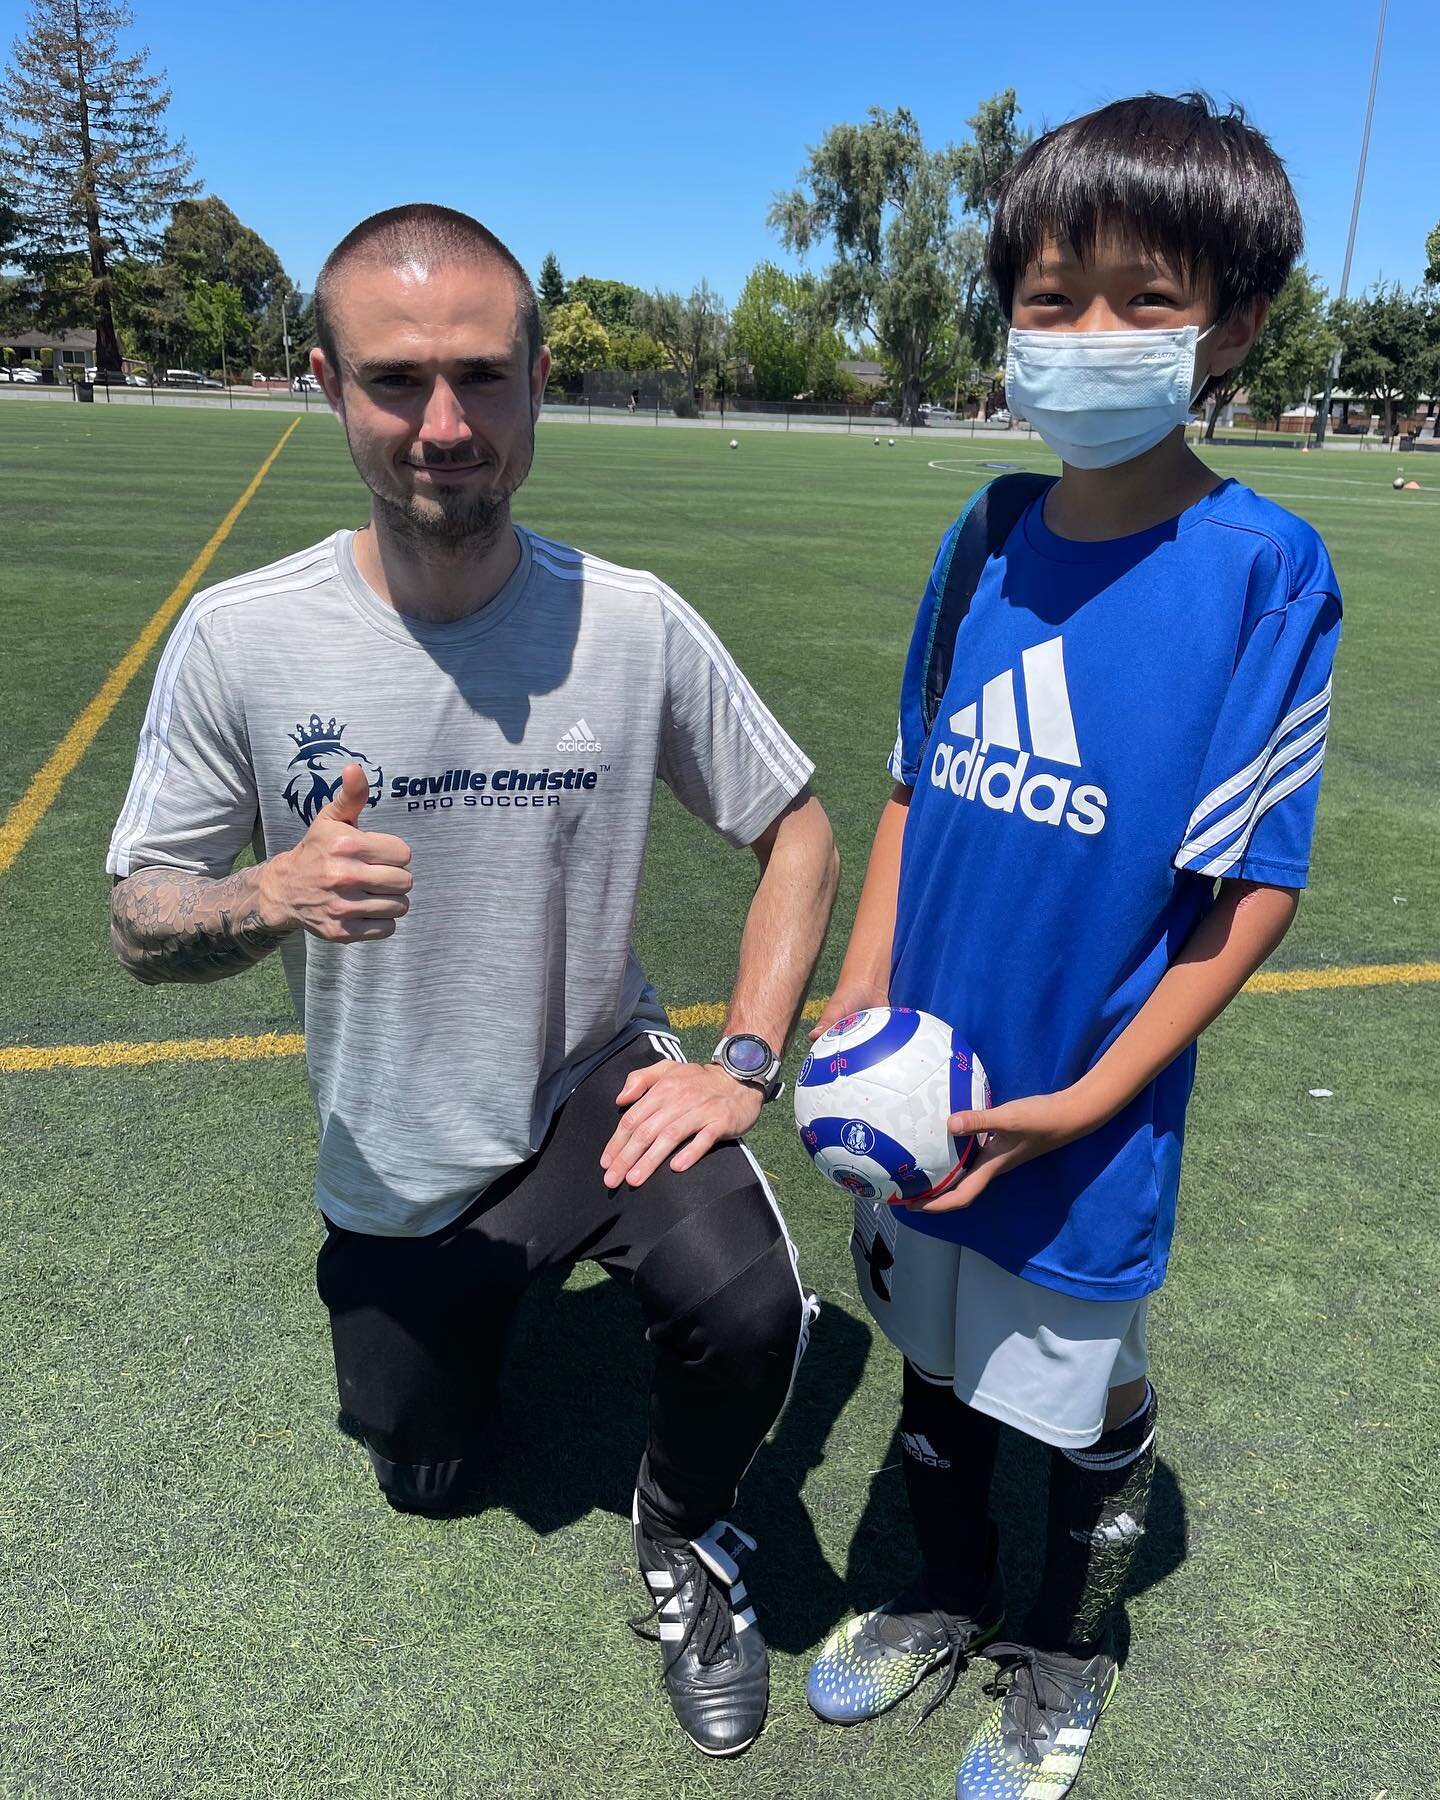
x=84 y=150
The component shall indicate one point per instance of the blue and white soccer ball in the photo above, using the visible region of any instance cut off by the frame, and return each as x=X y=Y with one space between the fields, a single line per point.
x=874 y=1098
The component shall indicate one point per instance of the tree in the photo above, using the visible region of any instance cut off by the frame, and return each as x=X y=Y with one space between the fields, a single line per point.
x=220 y=327
x=903 y=270
x=287 y=310
x=577 y=341
x=84 y=148
x=691 y=332
x=1291 y=353
x=779 y=326
x=9 y=220
x=552 y=283
x=633 y=349
x=1385 y=336
x=612 y=302
x=207 y=242
x=1432 y=257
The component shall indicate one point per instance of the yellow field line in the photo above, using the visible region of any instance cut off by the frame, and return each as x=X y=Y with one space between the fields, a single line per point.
x=23 y=1059
x=36 y=801
x=1295 y=981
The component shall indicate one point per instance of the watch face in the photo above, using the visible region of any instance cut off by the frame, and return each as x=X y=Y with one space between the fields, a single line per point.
x=748 y=1055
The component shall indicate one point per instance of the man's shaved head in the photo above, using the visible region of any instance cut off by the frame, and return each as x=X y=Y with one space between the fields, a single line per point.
x=425 y=237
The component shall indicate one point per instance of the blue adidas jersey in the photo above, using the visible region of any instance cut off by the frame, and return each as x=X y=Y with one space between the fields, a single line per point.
x=1125 y=721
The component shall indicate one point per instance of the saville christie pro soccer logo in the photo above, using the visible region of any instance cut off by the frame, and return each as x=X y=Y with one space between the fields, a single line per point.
x=317 y=765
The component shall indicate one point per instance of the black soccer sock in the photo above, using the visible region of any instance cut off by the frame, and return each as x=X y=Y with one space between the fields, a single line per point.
x=1096 y=1517
x=949 y=1459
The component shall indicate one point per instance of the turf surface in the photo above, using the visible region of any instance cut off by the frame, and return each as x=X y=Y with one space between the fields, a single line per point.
x=201 y=1593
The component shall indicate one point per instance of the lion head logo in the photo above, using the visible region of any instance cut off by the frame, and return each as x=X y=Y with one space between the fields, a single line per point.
x=317 y=764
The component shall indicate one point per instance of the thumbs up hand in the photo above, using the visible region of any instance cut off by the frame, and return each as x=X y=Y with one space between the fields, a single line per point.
x=339 y=883
x=351 y=797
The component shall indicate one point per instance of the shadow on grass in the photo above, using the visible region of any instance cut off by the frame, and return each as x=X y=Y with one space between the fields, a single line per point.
x=883 y=1555
x=572 y=1428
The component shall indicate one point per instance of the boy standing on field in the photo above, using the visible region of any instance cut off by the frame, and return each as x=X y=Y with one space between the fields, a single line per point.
x=1101 y=838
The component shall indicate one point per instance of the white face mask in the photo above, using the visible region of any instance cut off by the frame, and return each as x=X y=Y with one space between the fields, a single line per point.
x=1102 y=397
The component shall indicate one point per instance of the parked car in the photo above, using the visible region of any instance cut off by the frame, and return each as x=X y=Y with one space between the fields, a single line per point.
x=182 y=378
x=999 y=417
x=304 y=384
x=937 y=412
x=16 y=373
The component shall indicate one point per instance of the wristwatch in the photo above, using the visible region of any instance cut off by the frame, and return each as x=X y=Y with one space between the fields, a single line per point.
x=751 y=1060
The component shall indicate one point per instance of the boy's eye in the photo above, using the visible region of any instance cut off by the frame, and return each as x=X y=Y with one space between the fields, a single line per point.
x=1151 y=298
x=1049 y=298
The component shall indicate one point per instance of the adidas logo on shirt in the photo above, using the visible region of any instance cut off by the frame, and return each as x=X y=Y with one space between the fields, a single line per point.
x=981 y=771
x=578 y=737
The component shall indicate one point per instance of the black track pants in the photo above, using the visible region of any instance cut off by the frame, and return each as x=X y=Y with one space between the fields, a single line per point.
x=419 y=1324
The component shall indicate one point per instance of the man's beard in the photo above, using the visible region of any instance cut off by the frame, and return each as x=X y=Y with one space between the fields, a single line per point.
x=449 y=519
x=471 y=518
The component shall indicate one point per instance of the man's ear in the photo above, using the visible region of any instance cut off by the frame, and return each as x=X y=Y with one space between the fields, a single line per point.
x=539 y=376
x=329 y=380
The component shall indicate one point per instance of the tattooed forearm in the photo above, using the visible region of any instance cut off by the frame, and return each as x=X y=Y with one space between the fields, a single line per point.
x=166 y=925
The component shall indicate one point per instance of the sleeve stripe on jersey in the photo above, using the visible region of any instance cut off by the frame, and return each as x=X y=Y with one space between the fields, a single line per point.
x=279 y=578
x=154 y=755
x=1198 y=842
x=1276 y=792
x=896 y=765
x=1237 y=784
x=773 y=745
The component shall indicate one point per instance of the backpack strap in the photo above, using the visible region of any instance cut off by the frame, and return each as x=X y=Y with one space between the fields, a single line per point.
x=989 y=516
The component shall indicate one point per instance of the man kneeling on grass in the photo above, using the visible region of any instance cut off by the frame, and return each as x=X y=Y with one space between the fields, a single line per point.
x=442 y=733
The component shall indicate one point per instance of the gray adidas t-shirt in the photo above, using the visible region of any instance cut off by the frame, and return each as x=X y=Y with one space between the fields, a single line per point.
x=516 y=753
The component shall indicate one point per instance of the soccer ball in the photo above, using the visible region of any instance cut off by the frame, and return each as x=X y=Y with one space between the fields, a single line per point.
x=734 y=443
x=891 y=442
x=873 y=1099
x=877 y=440
x=1398 y=482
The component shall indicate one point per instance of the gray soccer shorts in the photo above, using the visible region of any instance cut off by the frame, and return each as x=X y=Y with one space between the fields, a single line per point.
x=1027 y=1355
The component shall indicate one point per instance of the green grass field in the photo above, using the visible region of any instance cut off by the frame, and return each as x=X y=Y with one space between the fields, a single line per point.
x=201 y=1593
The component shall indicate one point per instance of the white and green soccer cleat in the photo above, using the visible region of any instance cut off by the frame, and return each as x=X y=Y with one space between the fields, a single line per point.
x=881 y=1656
x=1032 y=1745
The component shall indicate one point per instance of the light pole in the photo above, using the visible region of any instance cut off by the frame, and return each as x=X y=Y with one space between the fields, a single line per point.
x=285 y=340
x=1322 y=420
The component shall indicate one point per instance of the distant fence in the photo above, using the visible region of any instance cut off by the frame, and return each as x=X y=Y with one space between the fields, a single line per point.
x=669 y=404
x=723 y=411
x=236 y=396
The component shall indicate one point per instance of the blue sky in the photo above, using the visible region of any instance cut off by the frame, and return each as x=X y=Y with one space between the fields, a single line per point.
x=645 y=142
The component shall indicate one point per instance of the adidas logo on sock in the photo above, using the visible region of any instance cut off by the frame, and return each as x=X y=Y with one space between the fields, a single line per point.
x=918 y=1446
x=1123 y=1529
x=579 y=738
x=992 y=723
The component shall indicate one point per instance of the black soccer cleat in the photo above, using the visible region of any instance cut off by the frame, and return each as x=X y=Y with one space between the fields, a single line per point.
x=715 y=1665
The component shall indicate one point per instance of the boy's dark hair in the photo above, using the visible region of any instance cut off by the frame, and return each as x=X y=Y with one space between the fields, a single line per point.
x=420 y=233
x=1174 y=172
